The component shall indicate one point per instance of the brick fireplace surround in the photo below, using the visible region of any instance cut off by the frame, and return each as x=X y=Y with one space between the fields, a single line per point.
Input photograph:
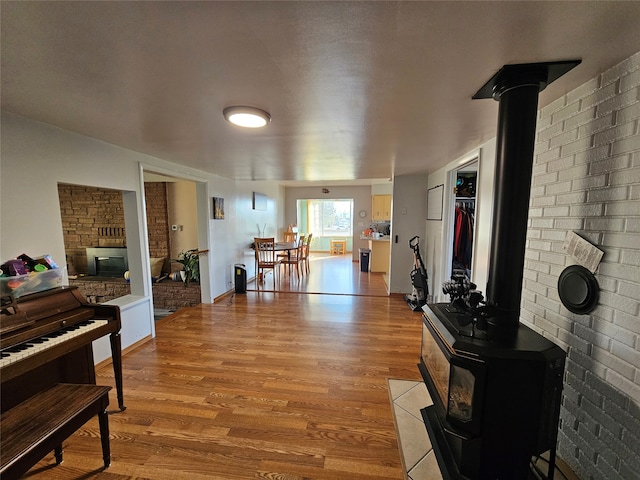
x=94 y=217
x=167 y=294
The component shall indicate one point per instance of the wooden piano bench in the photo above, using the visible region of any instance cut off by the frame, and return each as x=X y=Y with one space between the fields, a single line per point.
x=41 y=423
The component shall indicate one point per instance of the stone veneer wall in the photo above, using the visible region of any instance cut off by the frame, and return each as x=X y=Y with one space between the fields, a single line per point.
x=155 y=194
x=85 y=210
x=167 y=295
x=587 y=180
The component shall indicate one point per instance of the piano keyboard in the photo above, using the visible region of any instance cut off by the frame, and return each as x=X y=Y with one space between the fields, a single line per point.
x=24 y=350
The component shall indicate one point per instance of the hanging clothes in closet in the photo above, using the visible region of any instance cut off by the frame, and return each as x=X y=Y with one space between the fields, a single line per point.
x=463 y=234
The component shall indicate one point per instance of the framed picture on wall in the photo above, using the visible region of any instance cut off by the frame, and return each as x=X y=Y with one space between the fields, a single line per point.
x=218 y=208
x=259 y=201
x=434 y=203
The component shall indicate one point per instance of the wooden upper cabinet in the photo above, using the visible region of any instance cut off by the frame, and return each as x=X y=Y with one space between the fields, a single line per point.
x=381 y=207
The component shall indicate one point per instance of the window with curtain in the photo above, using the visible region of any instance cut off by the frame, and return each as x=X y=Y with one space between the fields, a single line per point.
x=326 y=218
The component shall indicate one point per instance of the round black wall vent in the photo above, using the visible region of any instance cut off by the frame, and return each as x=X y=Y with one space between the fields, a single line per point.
x=578 y=289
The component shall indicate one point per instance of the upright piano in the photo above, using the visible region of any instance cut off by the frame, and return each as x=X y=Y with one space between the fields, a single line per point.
x=45 y=339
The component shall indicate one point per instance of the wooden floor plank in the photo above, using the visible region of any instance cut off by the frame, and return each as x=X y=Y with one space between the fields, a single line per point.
x=262 y=385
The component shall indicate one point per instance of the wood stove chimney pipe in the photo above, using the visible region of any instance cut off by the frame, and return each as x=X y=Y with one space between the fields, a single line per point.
x=516 y=88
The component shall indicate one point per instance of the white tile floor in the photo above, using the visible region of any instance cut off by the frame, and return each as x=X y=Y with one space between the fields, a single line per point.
x=408 y=397
x=420 y=463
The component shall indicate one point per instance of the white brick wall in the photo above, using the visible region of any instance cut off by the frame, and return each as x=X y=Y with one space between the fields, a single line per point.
x=586 y=178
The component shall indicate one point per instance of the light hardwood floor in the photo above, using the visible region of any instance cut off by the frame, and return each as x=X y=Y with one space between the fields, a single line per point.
x=259 y=385
x=331 y=274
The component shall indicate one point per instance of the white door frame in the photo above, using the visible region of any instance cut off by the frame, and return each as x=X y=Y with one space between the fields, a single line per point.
x=202 y=214
x=448 y=215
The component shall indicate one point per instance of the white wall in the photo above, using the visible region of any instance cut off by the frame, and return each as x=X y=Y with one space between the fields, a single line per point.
x=249 y=223
x=361 y=201
x=382 y=188
x=438 y=232
x=36 y=157
x=182 y=211
x=408 y=217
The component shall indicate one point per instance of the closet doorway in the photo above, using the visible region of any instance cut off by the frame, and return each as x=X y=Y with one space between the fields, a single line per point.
x=464 y=182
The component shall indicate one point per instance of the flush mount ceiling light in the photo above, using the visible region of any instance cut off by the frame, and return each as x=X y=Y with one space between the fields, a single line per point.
x=248 y=117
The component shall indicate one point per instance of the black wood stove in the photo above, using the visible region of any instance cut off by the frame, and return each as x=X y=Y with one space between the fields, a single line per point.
x=495 y=383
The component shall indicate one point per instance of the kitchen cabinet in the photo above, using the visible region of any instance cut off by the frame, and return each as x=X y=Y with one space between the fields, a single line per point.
x=380 y=252
x=381 y=207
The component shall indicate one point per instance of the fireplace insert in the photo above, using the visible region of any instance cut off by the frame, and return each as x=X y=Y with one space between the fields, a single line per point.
x=107 y=261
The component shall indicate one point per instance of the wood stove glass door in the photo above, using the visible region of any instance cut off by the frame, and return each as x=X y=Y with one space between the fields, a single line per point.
x=462 y=385
x=436 y=363
x=465 y=403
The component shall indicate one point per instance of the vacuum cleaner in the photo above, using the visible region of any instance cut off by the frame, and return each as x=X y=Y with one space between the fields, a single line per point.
x=418 y=297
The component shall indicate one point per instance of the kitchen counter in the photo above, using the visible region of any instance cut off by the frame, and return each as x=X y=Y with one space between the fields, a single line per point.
x=380 y=254
x=384 y=238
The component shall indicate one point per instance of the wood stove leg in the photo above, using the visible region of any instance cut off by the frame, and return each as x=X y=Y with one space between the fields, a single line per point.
x=552 y=463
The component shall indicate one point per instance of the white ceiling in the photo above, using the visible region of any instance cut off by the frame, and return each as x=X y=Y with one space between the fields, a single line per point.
x=356 y=90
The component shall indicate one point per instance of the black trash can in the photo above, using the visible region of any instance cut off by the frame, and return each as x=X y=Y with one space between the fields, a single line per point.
x=365 y=254
x=240 y=277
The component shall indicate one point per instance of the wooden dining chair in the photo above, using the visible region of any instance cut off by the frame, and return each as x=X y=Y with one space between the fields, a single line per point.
x=266 y=259
x=295 y=258
x=288 y=239
x=290 y=236
x=306 y=252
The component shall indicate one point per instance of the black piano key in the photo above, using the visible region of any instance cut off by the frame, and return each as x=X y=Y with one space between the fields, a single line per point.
x=16 y=348
x=55 y=334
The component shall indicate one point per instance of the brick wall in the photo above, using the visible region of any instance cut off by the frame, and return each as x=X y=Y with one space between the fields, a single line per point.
x=171 y=295
x=103 y=290
x=86 y=212
x=155 y=194
x=93 y=217
x=167 y=295
x=587 y=180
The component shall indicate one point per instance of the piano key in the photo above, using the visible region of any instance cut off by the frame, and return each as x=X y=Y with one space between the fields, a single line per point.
x=45 y=312
x=27 y=349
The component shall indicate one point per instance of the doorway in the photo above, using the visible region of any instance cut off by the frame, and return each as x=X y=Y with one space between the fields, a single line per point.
x=460 y=207
x=171 y=209
x=464 y=220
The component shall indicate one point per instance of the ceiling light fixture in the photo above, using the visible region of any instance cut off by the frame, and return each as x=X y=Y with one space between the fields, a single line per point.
x=248 y=117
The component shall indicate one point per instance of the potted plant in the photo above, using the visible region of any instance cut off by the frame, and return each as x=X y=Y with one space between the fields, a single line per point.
x=190 y=265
